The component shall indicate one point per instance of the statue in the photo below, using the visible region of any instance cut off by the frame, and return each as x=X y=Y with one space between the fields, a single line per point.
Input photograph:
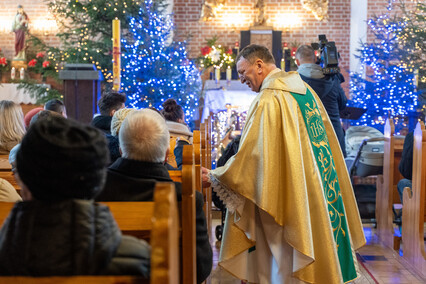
x=19 y=27
x=260 y=17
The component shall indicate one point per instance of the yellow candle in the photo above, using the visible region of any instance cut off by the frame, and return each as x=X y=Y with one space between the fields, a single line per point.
x=116 y=53
x=282 y=64
x=217 y=74
x=228 y=74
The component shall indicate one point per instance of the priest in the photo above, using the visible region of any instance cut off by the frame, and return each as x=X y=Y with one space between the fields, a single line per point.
x=292 y=215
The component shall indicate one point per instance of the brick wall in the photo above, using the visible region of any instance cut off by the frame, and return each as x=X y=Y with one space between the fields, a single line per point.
x=241 y=12
x=235 y=16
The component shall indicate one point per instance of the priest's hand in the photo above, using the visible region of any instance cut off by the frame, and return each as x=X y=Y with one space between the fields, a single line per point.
x=205 y=178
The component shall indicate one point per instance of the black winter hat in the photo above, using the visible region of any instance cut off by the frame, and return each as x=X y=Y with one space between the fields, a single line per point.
x=62 y=159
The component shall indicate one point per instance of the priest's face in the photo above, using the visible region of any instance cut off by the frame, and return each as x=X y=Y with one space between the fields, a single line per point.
x=249 y=74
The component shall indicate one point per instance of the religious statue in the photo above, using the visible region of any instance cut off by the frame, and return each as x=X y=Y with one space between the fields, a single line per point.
x=19 y=27
x=260 y=17
x=210 y=9
x=318 y=7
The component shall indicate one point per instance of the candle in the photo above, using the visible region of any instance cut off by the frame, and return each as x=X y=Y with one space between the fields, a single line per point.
x=116 y=53
x=282 y=64
x=217 y=74
x=22 y=73
x=12 y=73
x=228 y=74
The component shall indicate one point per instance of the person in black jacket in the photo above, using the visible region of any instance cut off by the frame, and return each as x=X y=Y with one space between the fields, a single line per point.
x=59 y=230
x=327 y=88
x=108 y=105
x=144 y=143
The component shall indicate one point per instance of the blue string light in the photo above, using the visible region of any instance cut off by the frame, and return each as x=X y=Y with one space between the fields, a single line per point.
x=154 y=71
x=389 y=87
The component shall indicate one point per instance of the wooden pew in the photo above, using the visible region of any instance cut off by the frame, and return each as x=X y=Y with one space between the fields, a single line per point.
x=6 y=172
x=387 y=193
x=158 y=218
x=206 y=161
x=171 y=159
x=4 y=163
x=187 y=177
x=414 y=211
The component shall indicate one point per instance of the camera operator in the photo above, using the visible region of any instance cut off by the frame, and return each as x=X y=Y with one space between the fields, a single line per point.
x=327 y=88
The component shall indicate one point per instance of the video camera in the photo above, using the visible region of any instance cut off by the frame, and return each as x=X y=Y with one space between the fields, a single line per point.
x=329 y=59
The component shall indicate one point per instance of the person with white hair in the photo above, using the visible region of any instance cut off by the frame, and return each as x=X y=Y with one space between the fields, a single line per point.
x=144 y=143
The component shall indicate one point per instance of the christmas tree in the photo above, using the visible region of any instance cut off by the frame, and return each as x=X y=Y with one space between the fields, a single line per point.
x=389 y=87
x=86 y=30
x=154 y=71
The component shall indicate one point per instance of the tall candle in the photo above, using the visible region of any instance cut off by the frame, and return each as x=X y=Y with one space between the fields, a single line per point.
x=228 y=75
x=22 y=73
x=12 y=73
x=217 y=74
x=116 y=53
x=282 y=64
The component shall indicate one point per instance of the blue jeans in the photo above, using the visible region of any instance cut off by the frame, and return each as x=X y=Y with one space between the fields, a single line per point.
x=401 y=184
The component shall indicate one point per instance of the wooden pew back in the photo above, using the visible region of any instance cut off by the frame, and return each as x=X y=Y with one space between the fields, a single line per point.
x=187 y=177
x=413 y=213
x=206 y=161
x=6 y=172
x=387 y=193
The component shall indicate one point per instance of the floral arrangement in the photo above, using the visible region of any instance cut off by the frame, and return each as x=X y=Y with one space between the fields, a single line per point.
x=216 y=56
x=4 y=63
x=39 y=64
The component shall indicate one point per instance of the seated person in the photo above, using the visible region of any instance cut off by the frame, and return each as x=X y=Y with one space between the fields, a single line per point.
x=12 y=127
x=144 y=143
x=113 y=142
x=175 y=119
x=59 y=229
x=108 y=105
x=57 y=106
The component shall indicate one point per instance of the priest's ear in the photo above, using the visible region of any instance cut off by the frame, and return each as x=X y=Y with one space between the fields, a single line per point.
x=259 y=63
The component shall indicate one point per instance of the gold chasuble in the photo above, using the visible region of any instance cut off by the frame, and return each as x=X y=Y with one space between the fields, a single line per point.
x=292 y=214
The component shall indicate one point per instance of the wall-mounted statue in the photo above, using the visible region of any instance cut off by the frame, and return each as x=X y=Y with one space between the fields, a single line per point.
x=19 y=27
x=210 y=9
x=260 y=19
x=318 y=7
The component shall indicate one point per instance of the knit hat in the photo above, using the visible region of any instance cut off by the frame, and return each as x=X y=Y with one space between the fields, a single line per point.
x=62 y=159
x=118 y=118
x=30 y=114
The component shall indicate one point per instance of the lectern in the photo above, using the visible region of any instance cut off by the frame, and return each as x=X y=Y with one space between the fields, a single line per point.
x=82 y=88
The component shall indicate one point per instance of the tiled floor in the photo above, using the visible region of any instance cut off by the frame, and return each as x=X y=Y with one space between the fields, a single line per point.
x=378 y=264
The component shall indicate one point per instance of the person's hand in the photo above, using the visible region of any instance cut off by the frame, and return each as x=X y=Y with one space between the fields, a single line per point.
x=205 y=178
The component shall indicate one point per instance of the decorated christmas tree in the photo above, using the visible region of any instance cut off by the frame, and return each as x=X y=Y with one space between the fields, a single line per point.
x=389 y=88
x=154 y=70
x=86 y=30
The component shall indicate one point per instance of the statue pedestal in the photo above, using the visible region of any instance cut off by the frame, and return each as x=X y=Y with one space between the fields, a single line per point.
x=18 y=64
x=266 y=36
x=261 y=35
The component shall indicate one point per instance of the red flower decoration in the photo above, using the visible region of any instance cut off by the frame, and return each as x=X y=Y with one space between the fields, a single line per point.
x=293 y=51
x=229 y=51
x=40 y=55
x=46 y=64
x=3 y=61
x=32 y=63
x=206 y=50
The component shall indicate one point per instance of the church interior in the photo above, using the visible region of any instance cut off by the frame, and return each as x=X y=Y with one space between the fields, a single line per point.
x=293 y=141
